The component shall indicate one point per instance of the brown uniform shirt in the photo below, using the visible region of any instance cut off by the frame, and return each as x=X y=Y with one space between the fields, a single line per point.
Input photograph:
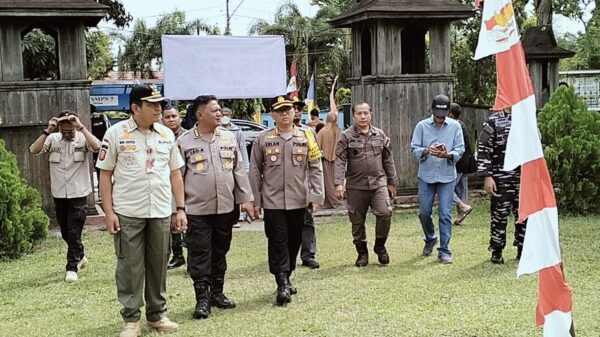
x=214 y=175
x=69 y=165
x=364 y=159
x=281 y=175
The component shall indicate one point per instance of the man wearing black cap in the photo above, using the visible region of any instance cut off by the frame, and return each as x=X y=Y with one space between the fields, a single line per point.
x=286 y=178
x=438 y=144
x=69 y=180
x=140 y=174
x=308 y=250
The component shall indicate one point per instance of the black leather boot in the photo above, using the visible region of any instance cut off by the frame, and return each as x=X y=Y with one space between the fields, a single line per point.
x=379 y=249
x=176 y=261
x=363 y=254
x=283 y=291
x=202 y=309
x=217 y=298
x=293 y=290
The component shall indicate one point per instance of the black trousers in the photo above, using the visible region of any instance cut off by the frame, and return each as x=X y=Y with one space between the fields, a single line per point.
x=309 y=240
x=283 y=229
x=70 y=215
x=208 y=239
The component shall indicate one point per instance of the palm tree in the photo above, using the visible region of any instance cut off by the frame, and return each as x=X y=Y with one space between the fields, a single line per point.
x=311 y=41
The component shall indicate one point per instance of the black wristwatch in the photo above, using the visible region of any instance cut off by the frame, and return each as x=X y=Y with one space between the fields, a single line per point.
x=46 y=132
x=180 y=208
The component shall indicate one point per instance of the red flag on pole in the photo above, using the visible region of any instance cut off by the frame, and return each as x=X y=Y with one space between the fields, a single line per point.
x=292 y=88
x=541 y=250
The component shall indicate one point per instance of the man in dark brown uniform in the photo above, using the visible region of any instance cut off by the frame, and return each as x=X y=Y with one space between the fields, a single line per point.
x=364 y=158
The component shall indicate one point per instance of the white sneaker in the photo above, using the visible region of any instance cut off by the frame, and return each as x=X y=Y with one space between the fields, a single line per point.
x=71 y=276
x=82 y=263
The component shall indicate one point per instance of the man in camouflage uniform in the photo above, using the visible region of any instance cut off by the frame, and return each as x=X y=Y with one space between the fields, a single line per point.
x=503 y=186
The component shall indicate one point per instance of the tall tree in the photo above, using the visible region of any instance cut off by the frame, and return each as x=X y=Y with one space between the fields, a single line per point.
x=99 y=57
x=143 y=50
x=116 y=13
x=316 y=46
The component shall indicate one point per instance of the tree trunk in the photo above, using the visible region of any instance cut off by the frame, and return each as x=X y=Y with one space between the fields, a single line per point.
x=543 y=12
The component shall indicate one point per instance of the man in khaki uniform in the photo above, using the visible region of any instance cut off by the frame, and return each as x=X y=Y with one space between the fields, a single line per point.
x=141 y=156
x=286 y=177
x=215 y=179
x=364 y=158
x=308 y=250
x=171 y=119
x=69 y=180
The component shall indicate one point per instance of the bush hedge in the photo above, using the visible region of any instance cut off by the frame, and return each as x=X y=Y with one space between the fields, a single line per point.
x=23 y=223
x=570 y=136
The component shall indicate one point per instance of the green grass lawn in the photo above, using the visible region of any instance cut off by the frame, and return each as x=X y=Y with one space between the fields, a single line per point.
x=413 y=296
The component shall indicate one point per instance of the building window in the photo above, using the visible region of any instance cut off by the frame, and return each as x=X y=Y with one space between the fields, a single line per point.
x=415 y=53
x=39 y=50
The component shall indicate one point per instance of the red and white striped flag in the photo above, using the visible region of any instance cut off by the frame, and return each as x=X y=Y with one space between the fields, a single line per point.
x=541 y=250
x=292 y=88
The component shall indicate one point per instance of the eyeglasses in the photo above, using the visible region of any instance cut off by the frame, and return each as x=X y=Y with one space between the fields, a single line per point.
x=283 y=112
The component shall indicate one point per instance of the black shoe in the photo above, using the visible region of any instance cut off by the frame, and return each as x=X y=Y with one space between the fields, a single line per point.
x=429 y=247
x=497 y=257
x=362 y=260
x=382 y=255
x=291 y=288
x=221 y=301
x=176 y=261
x=311 y=263
x=202 y=309
x=217 y=298
x=283 y=292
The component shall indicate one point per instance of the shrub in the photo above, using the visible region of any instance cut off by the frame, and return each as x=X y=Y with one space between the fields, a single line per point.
x=572 y=149
x=22 y=221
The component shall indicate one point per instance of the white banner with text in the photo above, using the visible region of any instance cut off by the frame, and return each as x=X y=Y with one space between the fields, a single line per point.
x=224 y=66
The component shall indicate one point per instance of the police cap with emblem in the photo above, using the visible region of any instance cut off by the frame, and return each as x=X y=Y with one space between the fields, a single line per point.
x=281 y=102
x=440 y=105
x=297 y=102
x=145 y=92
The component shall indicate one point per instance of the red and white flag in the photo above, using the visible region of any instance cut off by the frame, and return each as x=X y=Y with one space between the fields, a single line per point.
x=537 y=203
x=292 y=88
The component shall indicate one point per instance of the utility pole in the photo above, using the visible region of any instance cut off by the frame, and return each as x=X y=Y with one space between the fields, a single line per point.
x=228 y=19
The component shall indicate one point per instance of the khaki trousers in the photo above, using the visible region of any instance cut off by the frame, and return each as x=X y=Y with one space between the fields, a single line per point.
x=142 y=249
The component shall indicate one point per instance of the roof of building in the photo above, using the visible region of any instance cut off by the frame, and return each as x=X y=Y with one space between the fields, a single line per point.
x=539 y=43
x=403 y=9
x=89 y=10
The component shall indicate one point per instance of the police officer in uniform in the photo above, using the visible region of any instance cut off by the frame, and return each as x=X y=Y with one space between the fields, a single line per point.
x=503 y=186
x=364 y=158
x=308 y=251
x=215 y=179
x=172 y=120
x=286 y=177
x=69 y=180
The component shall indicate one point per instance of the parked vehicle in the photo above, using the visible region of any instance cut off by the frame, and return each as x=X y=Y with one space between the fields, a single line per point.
x=250 y=130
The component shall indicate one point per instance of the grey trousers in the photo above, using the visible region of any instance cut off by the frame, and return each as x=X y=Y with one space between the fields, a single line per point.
x=142 y=249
